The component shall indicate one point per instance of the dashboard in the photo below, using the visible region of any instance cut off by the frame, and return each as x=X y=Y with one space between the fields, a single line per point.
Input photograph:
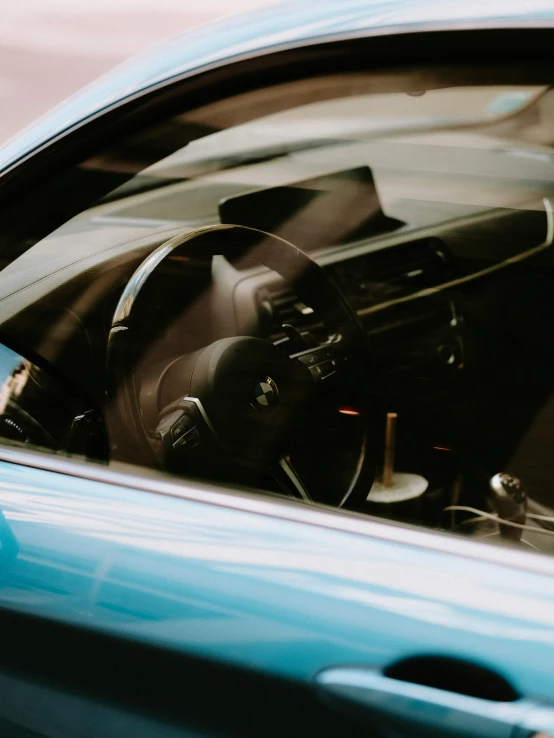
x=338 y=208
x=378 y=287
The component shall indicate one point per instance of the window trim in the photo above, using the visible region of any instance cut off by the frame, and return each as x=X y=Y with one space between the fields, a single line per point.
x=295 y=511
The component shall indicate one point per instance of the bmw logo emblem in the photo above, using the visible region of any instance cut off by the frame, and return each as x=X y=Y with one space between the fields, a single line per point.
x=266 y=396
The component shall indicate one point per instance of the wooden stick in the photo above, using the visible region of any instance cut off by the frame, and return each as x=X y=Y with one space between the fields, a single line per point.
x=390 y=443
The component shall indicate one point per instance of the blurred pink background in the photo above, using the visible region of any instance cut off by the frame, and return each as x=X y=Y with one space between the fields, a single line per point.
x=51 y=48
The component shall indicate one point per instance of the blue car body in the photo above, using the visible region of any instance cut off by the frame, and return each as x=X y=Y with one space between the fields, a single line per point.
x=270 y=588
x=253 y=583
x=259 y=583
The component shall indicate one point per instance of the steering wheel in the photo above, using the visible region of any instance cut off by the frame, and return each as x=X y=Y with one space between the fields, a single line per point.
x=241 y=407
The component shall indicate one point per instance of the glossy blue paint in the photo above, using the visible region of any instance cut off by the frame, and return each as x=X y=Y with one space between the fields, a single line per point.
x=279 y=596
x=258 y=32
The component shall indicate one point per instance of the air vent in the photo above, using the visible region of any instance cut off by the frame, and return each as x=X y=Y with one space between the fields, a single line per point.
x=372 y=280
x=394 y=272
x=278 y=305
x=409 y=321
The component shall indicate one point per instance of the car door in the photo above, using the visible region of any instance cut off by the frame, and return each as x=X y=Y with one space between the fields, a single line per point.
x=139 y=603
x=131 y=606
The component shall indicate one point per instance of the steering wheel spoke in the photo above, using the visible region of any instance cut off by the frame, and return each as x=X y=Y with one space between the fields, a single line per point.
x=288 y=479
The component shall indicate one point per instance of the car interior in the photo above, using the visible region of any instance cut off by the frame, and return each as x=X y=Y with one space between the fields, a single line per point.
x=340 y=290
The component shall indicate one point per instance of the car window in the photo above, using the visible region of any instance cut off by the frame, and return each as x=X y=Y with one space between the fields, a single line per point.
x=42 y=410
x=339 y=290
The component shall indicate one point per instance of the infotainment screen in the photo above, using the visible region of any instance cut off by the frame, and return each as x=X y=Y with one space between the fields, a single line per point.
x=331 y=210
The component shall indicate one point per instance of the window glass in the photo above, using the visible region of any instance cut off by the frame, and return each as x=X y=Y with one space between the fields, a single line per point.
x=44 y=411
x=340 y=290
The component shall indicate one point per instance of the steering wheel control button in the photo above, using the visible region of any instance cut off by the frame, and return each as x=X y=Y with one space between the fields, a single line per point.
x=188 y=440
x=180 y=427
x=266 y=396
x=169 y=422
x=178 y=430
x=321 y=363
x=327 y=369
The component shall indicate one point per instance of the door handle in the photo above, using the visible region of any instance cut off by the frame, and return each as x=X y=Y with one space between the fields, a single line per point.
x=429 y=710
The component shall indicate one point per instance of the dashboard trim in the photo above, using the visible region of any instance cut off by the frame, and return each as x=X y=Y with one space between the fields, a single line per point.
x=527 y=254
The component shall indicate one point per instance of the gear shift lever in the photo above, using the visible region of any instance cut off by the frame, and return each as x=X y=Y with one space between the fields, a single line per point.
x=510 y=503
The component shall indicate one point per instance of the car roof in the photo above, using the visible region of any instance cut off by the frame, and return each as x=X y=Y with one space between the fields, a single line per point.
x=260 y=31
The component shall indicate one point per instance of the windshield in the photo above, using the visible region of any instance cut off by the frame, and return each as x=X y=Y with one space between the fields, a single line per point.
x=331 y=132
x=389 y=133
x=357 y=118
